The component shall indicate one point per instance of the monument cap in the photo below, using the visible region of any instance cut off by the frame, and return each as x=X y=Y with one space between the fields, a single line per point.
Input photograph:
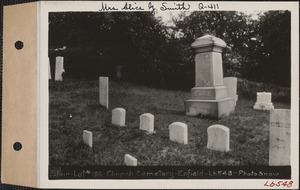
x=208 y=43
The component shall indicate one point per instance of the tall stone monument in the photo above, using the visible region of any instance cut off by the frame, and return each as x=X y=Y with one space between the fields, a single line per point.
x=209 y=96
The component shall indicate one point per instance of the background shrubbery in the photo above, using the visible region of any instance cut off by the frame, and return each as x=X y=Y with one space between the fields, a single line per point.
x=154 y=54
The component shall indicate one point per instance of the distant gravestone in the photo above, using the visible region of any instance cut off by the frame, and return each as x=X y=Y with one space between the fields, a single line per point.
x=263 y=101
x=218 y=137
x=178 y=132
x=280 y=137
x=59 y=68
x=49 y=70
x=118 y=117
x=119 y=73
x=147 y=122
x=88 y=138
x=103 y=91
x=130 y=160
x=231 y=85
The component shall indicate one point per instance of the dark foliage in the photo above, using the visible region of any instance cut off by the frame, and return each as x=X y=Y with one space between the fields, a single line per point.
x=144 y=50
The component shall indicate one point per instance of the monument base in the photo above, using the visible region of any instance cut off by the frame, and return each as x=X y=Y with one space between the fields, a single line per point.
x=214 y=108
x=263 y=106
x=209 y=93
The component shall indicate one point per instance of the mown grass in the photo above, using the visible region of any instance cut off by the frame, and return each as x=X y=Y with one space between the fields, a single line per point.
x=74 y=107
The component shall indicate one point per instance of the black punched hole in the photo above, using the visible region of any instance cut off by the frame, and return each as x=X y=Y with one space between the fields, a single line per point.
x=17 y=146
x=19 y=45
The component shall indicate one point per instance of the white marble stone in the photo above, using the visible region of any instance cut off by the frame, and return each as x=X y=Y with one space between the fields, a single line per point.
x=231 y=85
x=103 y=91
x=118 y=117
x=130 y=160
x=218 y=138
x=59 y=68
x=147 y=122
x=178 y=132
x=280 y=137
x=209 y=90
x=88 y=138
x=263 y=101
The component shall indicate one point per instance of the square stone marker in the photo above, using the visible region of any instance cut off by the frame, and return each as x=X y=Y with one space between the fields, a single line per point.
x=218 y=138
x=59 y=68
x=280 y=137
x=147 y=122
x=231 y=85
x=178 y=132
x=118 y=117
x=263 y=101
x=103 y=91
x=130 y=160
x=88 y=138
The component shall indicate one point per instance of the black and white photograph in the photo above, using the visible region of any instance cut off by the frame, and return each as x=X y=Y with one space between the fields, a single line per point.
x=150 y=94
x=167 y=89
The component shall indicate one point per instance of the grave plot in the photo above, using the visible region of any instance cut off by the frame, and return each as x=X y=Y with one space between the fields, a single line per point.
x=194 y=140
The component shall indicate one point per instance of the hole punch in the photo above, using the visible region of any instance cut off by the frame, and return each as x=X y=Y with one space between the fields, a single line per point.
x=19 y=45
x=17 y=146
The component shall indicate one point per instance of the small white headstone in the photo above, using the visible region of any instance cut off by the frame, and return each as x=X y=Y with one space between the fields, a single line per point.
x=263 y=101
x=88 y=138
x=118 y=116
x=130 y=160
x=178 y=132
x=49 y=69
x=103 y=91
x=147 y=122
x=231 y=85
x=280 y=137
x=218 y=137
x=59 y=68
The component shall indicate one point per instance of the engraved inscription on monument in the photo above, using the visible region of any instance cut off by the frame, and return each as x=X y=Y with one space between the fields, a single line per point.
x=280 y=134
x=203 y=69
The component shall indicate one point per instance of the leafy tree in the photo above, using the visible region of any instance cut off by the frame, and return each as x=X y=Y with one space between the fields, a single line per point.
x=233 y=27
x=100 y=41
x=155 y=54
x=274 y=48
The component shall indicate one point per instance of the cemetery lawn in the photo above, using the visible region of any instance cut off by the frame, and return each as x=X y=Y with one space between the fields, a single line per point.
x=74 y=107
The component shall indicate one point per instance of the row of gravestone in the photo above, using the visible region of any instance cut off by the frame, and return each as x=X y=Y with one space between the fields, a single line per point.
x=218 y=136
x=229 y=82
x=263 y=99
